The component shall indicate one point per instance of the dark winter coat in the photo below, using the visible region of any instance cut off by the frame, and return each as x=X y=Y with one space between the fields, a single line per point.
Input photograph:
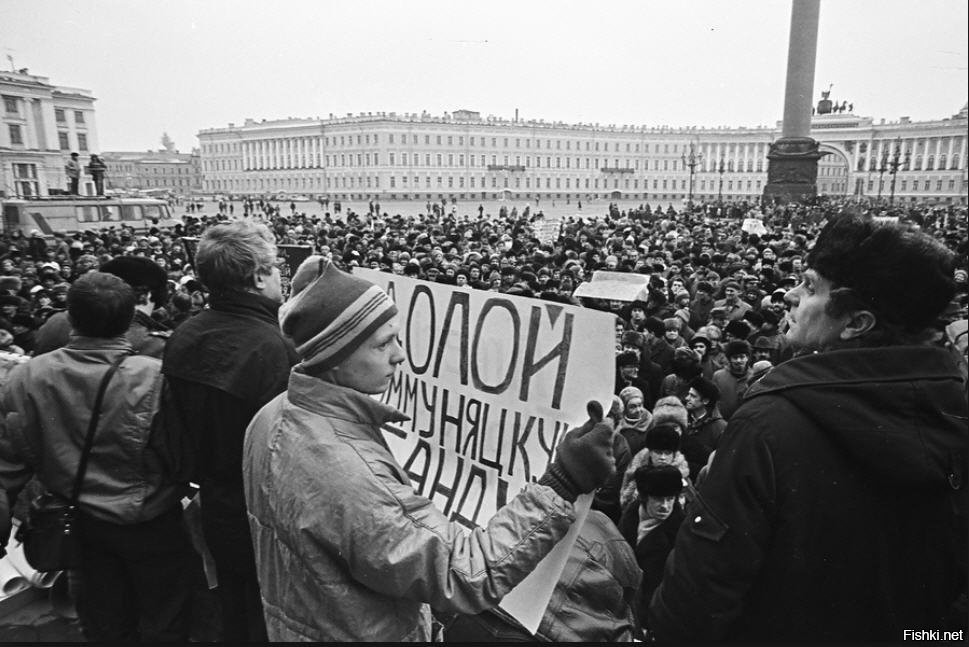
x=222 y=366
x=828 y=512
x=651 y=552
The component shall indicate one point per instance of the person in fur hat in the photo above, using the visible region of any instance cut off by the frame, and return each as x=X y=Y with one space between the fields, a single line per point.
x=661 y=447
x=686 y=366
x=650 y=523
x=732 y=380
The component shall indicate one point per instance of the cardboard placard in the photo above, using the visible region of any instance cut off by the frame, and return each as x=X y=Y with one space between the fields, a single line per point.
x=615 y=286
x=491 y=383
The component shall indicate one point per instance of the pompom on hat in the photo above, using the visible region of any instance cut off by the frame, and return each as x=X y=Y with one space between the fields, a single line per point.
x=330 y=313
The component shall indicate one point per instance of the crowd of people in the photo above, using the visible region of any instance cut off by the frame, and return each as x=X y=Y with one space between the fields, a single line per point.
x=313 y=532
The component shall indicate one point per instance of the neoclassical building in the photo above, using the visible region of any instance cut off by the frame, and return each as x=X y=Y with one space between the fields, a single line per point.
x=42 y=125
x=394 y=156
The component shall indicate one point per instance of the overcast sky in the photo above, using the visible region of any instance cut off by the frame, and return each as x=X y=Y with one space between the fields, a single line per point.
x=184 y=65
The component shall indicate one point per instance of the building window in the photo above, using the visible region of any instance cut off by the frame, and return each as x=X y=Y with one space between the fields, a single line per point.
x=63 y=142
x=78 y=117
x=10 y=106
x=59 y=115
x=16 y=135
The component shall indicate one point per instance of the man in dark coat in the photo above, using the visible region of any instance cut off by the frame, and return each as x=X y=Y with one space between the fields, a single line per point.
x=146 y=336
x=222 y=366
x=706 y=424
x=835 y=507
x=650 y=524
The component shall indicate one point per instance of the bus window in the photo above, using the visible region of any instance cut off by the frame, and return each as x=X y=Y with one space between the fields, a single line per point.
x=111 y=213
x=87 y=213
x=132 y=212
x=154 y=211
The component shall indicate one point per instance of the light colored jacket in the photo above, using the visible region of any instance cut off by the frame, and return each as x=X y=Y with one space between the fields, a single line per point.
x=45 y=409
x=345 y=550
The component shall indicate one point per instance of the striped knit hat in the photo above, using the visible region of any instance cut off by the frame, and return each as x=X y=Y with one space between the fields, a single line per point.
x=330 y=313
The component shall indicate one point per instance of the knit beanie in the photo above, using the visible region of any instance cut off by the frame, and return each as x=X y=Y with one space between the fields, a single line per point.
x=629 y=393
x=331 y=312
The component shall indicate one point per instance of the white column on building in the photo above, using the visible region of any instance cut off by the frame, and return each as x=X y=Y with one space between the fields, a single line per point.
x=949 y=150
x=746 y=156
x=938 y=152
x=962 y=153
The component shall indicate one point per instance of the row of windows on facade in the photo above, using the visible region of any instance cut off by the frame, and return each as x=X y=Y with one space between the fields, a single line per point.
x=11 y=106
x=906 y=163
x=448 y=140
x=703 y=187
x=351 y=182
x=17 y=138
x=438 y=159
x=148 y=170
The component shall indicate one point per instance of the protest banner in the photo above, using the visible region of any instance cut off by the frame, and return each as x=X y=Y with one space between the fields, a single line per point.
x=548 y=229
x=490 y=383
x=191 y=246
x=754 y=226
x=616 y=286
x=288 y=259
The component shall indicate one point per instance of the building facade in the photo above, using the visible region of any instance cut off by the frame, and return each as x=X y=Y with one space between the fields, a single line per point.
x=42 y=125
x=161 y=171
x=462 y=155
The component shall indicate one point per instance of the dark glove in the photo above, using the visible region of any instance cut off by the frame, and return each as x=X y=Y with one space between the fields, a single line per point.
x=584 y=458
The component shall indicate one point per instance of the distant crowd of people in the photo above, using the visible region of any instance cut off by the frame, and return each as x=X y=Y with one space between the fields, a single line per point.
x=785 y=390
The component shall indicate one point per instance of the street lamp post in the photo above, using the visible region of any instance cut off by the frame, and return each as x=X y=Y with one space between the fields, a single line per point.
x=720 y=170
x=893 y=167
x=692 y=161
x=883 y=166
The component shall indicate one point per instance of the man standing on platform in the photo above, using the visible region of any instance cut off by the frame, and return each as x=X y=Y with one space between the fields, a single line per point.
x=835 y=506
x=222 y=365
x=73 y=170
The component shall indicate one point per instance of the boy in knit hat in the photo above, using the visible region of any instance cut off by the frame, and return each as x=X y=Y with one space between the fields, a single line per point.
x=336 y=523
x=659 y=447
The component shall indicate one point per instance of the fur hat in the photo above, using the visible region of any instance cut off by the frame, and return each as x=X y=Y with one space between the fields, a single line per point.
x=632 y=338
x=658 y=481
x=10 y=283
x=736 y=347
x=655 y=326
x=663 y=437
x=669 y=409
x=627 y=358
x=707 y=389
x=737 y=328
x=140 y=272
x=330 y=312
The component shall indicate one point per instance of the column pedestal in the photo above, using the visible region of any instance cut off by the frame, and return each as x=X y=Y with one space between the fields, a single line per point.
x=792 y=173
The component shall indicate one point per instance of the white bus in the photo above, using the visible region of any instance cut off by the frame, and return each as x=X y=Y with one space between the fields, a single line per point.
x=80 y=213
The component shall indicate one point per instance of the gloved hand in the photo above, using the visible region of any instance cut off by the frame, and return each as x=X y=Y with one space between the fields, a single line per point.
x=584 y=458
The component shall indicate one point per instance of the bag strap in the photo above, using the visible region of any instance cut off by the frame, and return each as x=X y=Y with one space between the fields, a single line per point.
x=91 y=428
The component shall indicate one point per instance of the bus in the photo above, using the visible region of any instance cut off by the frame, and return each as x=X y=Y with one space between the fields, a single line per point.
x=82 y=213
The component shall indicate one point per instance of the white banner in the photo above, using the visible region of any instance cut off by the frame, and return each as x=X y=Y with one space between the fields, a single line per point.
x=615 y=286
x=491 y=383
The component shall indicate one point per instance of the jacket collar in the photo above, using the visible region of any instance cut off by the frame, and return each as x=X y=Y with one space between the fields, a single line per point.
x=241 y=302
x=335 y=401
x=80 y=342
x=857 y=365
